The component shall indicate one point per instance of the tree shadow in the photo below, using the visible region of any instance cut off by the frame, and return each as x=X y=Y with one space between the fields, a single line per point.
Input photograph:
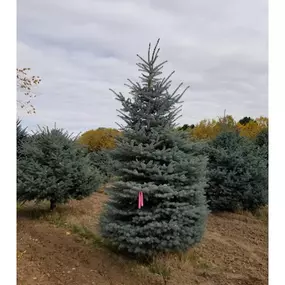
x=35 y=211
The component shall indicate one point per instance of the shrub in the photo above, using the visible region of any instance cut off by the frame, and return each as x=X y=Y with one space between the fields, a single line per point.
x=102 y=160
x=245 y=120
x=186 y=127
x=262 y=138
x=159 y=162
x=262 y=142
x=102 y=138
x=252 y=128
x=237 y=174
x=209 y=129
x=54 y=167
x=22 y=135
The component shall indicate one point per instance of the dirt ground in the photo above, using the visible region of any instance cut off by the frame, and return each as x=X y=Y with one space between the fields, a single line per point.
x=233 y=251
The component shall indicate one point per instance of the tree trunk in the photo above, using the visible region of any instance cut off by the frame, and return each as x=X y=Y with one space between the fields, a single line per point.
x=52 y=204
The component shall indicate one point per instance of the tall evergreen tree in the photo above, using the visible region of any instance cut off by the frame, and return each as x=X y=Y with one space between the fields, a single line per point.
x=156 y=161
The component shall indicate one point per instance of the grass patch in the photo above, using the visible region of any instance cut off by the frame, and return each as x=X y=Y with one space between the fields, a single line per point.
x=262 y=214
x=58 y=218
x=192 y=257
x=33 y=214
x=160 y=267
x=85 y=233
x=166 y=265
x=79 y=230
x=19 y=206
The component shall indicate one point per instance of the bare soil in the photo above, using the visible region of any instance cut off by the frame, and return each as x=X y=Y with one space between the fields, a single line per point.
x=233 y=251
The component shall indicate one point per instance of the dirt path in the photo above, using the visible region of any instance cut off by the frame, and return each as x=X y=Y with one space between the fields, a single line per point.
x=233 y=251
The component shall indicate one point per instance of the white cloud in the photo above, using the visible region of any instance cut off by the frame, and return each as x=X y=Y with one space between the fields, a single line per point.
x=82 y=48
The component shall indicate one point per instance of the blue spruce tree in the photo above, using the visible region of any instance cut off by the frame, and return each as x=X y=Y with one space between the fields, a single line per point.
x=102 y=161
x=159 y=162
x=237 y=174
x=54 y=167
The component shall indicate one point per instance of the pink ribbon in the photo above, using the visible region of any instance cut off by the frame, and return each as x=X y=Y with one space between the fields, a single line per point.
x=140 y=200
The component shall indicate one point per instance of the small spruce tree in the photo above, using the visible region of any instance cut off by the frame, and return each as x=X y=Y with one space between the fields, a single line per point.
x=54 y=167
x=237 y=170
x=153 y=158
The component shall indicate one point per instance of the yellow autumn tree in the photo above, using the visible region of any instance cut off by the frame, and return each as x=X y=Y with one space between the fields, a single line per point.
x=253 y=127
x=209 y=129
x=205 y=129
x=262 y=122
x=102 y=138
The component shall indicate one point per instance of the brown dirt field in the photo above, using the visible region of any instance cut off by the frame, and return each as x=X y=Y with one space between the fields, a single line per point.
x=51 y=251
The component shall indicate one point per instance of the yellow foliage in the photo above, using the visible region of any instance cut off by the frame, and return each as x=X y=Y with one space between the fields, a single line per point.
x=209 y=129
x=262 y=122
x=206 y=129
x=253 y=128
x=102 y=138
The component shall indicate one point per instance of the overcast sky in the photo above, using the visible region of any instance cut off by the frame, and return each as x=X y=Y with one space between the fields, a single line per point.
x=81 y=48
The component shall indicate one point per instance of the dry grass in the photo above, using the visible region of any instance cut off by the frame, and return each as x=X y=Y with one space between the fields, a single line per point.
x=262 y=214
